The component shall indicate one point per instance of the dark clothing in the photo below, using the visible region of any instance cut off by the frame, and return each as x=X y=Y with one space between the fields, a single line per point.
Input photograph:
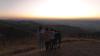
x=47 y=45
x=52 y=43
x=58 y=35
x=40 y=37
x=47 y=39
x=57 y=39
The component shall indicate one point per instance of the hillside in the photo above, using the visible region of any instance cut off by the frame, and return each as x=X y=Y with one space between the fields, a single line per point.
x=91 y=25
x=23 y=28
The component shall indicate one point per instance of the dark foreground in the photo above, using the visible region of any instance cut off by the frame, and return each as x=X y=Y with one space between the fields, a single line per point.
x=69 y=48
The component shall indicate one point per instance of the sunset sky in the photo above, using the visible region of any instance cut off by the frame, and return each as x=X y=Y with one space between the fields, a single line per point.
x=50 y=8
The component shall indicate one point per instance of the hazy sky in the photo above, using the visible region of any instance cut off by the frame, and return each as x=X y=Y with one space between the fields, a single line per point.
x=50 y=8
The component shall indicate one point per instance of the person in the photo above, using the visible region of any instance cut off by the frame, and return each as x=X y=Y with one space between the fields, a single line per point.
x=57 y=39
x=52 y=44
x=47 y=39
x=40 y=36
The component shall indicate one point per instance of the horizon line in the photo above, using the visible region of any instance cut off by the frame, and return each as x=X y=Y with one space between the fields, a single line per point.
x=35 y=18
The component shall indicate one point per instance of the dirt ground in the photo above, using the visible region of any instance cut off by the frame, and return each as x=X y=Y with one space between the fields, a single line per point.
x=73 y=48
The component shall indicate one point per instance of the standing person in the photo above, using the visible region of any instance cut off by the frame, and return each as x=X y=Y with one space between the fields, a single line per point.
x=40 y=35
x=58 y=39
x=52 y=44
x=47 y=39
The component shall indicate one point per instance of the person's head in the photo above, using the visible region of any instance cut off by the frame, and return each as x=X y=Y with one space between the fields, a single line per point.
x=41 y=28
x=47 y=29
x=55 y=30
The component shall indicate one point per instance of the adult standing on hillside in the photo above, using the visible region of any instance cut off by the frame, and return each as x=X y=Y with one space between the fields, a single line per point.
x=58 y=39
x=52 y=38
x=40 y=36
x=47 y=39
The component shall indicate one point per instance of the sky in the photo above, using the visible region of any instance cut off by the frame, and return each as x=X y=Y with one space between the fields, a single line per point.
x=50 y=9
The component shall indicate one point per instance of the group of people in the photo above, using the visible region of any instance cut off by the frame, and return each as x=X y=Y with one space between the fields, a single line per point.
x=49 y=38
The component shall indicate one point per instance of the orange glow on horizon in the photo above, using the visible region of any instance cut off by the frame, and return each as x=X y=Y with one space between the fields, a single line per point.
x=52 y=18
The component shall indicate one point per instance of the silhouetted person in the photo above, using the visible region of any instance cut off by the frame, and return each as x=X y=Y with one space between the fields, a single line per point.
x=40 y=35
x=57 y=39
x=52 y=38
x=47 y=39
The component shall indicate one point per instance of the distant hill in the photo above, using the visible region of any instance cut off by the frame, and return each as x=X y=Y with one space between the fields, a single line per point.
x=66 y=28
x=27 y=27
x=91 y=25
x=82 y=28
x=59 y=26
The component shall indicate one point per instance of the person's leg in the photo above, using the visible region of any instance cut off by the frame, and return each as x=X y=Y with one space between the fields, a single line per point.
x=54 y=43
x=39 y=43
x=47 y=45
x=41 y=47
x=42 y=44
x=51 y=44
x=59 y=42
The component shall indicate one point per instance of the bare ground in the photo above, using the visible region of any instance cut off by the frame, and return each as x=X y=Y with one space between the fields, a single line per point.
x=79 y=47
